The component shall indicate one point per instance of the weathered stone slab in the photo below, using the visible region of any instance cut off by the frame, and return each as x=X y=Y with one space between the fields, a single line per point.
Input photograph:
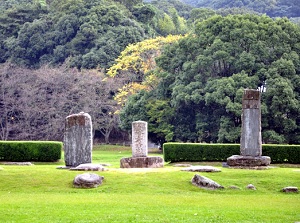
x=251 y=124
x=182 y=165
x=206 y=183
x=202 y=169
x=248 y=161
x=78 y=139
x=139 y=139
x=142 y=162
x=18 y=163
x=89 y=167
x=87 y=180
x=290 y=189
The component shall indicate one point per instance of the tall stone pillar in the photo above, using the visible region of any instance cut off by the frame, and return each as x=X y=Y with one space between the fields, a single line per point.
x=139 y=139
x=78 y=139
x=251 y=142
x=251 y=124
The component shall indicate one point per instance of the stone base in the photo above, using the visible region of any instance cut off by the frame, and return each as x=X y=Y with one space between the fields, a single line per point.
x=142 y=162
x=248 y=161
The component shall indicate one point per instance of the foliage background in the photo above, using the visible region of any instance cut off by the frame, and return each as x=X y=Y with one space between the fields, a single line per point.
x=182 y=69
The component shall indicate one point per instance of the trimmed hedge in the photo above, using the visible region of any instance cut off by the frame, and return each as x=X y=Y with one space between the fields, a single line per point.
x=39 y=151
x=197 y=152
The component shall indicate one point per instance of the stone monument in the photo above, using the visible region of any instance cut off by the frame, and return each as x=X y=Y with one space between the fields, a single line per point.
x=78 y=140
x=140 y=158
x=251 y=142
x=139 y=139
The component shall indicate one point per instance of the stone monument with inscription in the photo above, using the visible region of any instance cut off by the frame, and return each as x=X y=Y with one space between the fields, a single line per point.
x=251 y=141
x=78 y=139
x=139 y=139
x=140 y=158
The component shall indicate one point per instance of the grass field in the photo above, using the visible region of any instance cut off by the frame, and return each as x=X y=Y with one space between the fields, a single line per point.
x=42 y=193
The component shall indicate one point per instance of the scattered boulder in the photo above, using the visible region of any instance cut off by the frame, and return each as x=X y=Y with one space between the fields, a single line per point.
x=290 y=190
x=206 y=183
x=202 y=169
x=87 y=180
x=251 y=187
x=89 y=167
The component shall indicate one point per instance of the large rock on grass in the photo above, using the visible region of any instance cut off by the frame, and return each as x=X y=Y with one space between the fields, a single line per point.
x=206 y=183
x=87 y=180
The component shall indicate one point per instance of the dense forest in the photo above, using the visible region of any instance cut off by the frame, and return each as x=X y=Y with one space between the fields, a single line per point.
x=180 y=67
x=273 y=8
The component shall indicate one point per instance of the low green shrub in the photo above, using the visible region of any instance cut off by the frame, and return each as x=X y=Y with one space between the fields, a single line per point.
x=197 y=152
x=42 y=151
x=282 y=153
x=178 y=152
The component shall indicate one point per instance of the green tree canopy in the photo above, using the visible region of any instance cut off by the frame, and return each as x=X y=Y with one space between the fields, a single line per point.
x=204 y=74
x=85 y=33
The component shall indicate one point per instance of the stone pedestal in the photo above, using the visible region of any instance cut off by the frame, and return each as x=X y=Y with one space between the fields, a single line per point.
x=248 y=161
x=140 y=157
x=78 y=139
x=142 y=162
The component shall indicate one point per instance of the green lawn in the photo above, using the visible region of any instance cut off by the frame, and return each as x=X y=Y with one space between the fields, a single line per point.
x=42 y=193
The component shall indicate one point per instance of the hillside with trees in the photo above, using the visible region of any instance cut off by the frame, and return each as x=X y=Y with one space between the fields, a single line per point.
x=84 y=33
x=273 y=8
x=204 y=74
x=181 y=69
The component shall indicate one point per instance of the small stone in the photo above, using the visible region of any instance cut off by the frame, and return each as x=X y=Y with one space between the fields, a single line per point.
x=234 y=187
x=290 y=190
x=87 y=180
x=201 y=169
x=89 y=167
x=225 y=165
x=206 y=183
x=251 y=187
